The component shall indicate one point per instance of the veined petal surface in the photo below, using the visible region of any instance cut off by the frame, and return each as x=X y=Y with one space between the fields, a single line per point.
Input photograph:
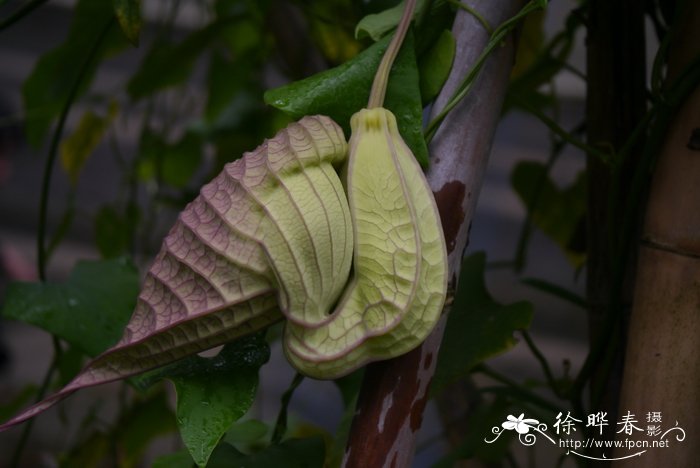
x=399 y=279
x=269 y=237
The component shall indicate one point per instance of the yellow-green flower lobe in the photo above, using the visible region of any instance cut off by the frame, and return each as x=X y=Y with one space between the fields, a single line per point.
x=398 y=288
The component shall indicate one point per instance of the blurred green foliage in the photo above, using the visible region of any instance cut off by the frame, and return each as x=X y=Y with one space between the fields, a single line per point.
x=204 y=92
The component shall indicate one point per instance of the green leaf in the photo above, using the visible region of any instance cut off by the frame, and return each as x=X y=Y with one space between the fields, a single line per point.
x=182 y=160
x=530 y=43
x=61 y=229
x=247 y=37
x=479 y=424
x=212 y=393
x=349 y=387
x=225 y=456
x=140 y=425
x=77 y=148
x=167 y=64
x=378 y=25
x=128 y=14
x=56 y=72
x=226 y=79
x=175 y=163
x=536 y=63
x=161 y=69
x=435 y=66
x=89 y=310
x=208 y=405
x=69 y=364
x=251 y=350
x=128 y=438
x=293 y=453
x=246 y=432
x=557 y=291
x=93 y=450
x=477 y=326
x=430 y=19
x=180 y=459
x=559 y=213
x=19 y=400
x=236 y=63
x=232 y=117
x=344 y=90
x=111 y=232
x=331 y=29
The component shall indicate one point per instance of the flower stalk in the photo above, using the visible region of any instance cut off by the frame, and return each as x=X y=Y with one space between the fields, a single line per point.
x=381 y=78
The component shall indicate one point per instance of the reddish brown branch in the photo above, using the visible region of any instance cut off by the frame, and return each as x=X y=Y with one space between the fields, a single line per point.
x=395 y=392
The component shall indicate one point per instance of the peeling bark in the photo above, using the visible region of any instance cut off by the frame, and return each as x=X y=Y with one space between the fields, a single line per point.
x=395 y=392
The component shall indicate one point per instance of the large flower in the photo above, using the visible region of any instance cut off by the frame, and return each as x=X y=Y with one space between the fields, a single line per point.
x=522 y=426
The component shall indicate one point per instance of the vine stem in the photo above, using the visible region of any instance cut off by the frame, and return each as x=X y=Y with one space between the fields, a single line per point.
x=676 y=94
x=42 y=252
x=24 y=437
x=281 y=424
x=554 y=127
x=381 y=78
x=515 y=386
x=20 y=13
x=474 y=13
x=43 y=212
x=549 y=375
x=495 y=41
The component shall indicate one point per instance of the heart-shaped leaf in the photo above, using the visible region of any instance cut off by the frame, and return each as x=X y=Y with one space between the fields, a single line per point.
x=477 y=327
x=128 y=14
x=213 y=393
x=377 y=25
x=558 y=212
x=56 y=73
x=89 y=310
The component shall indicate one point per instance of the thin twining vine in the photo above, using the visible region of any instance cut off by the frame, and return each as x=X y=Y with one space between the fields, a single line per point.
x=42 y=249
x=514 y=387
x=281 y=425
x=478 y=16
x=659 y=117
x=20 y=13
x=494 y=41
x=554 y=127
x=544 y=364
x=43 y=389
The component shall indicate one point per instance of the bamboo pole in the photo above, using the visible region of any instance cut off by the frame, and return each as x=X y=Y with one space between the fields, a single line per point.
x=662 y=368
